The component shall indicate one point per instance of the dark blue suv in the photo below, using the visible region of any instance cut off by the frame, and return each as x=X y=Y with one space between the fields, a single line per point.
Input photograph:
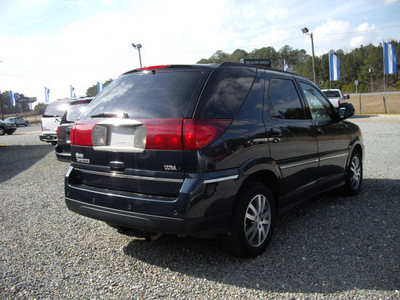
x=209 y=150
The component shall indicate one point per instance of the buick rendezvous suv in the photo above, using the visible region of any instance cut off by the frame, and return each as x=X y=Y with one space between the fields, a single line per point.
x=209 y=150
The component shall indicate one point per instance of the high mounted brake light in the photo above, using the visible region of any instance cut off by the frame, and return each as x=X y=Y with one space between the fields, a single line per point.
x=153 y=68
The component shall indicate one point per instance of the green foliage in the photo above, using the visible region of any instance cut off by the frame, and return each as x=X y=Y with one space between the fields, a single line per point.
x=92 y=91
x=40 y=108
x=7 y=108
x=355 y=65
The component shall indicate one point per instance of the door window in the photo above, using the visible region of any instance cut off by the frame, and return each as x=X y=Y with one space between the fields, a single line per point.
x=319 y=106
x=284 y=101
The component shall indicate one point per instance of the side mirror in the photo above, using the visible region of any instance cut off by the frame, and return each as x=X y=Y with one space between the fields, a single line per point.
x=346 y=110
x=347 y=97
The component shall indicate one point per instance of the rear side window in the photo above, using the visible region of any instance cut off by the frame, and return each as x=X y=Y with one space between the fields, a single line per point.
x=147 y=95
x=225 y=92
x=284 y=101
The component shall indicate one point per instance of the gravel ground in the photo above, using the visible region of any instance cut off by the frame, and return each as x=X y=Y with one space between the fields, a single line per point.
x=332 y=247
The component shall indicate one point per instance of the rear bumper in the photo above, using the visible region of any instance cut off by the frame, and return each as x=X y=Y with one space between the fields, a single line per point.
x=63 y=153
x=207 y=226
x=203 y=208
x=49 y=137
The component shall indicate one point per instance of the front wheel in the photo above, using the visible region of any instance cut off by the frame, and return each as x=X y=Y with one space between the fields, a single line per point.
x=2 y=132
x=253 y=220
x=354 y=174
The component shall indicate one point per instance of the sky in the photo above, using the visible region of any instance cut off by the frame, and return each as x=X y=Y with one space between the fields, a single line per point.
x=58 y=43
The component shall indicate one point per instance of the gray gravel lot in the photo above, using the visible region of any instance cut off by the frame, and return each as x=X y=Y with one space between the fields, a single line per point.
x=332 y=247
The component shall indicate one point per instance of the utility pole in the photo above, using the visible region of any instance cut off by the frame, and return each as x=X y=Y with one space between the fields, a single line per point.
x=305 y=31
x=138 y=47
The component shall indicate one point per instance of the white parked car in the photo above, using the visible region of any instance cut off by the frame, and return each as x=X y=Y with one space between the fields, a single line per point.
x=335 y=96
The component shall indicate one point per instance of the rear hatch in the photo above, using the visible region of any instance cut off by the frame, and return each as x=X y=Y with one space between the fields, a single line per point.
x=130 y=138
x=75 y=109
x=52 y=116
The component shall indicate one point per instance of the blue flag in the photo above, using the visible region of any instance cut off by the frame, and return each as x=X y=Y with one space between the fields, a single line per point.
x=100 y=87
x=390 y=59
x=46 y=94
x=72 y=89
x=334 y=67
x=285 y=66
x=12 y=97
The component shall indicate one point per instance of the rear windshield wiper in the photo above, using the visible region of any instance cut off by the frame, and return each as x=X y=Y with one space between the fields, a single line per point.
x=111 y=115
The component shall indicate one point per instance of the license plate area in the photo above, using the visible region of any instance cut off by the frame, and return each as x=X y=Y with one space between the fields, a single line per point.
x=119 y=136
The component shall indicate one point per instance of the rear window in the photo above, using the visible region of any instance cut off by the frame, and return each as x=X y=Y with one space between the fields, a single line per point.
x=75 y=111
x=225 y=92
x=56 y=109
x=147 y=95
x=332 y=94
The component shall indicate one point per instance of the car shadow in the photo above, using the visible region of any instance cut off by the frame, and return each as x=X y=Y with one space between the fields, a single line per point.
x=18 y=158
x=363 y=116
x=329 y=244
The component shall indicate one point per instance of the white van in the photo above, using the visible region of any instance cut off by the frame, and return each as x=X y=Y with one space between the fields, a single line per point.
x=51 y=120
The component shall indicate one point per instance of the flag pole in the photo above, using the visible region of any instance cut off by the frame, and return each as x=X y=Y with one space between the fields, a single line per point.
x=384 y=74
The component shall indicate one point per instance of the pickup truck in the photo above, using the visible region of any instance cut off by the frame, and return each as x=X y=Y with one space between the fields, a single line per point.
x=335 y=96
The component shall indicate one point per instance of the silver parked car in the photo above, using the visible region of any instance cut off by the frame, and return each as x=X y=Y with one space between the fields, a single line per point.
x=17 y=121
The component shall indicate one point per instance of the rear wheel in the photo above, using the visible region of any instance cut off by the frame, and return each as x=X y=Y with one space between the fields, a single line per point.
x=354 y=174
x=253 y=220
x=2 y=131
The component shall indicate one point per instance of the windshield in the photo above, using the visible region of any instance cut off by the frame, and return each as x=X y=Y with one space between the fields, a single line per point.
x=146 y=95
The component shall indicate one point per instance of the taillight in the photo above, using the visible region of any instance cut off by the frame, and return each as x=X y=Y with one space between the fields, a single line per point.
x=198 y=133
x=58 y=130
x=156 y=134
x=164 y=134
x=81 y=132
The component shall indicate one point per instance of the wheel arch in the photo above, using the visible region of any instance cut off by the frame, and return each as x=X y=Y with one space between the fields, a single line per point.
x=267 y=173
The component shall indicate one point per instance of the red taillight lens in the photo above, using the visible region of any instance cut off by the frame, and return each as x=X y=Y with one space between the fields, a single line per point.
x=183 y=134
x=198 y=133
x=58 y=130
x=81 y=133
x=164 y=134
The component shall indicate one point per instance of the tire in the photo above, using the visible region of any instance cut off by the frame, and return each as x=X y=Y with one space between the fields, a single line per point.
x=253 y=221
x=354 y=174
x=26 y=124
x=2 y=132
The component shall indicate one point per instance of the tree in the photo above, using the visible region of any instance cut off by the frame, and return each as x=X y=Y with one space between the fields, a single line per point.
x=92 y=91
x=237 y=55
x=40 y=108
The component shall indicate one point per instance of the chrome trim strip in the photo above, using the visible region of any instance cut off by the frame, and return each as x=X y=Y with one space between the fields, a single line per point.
x=127 y=176
x=214 y=180
x=299 y=164
x=334 y=156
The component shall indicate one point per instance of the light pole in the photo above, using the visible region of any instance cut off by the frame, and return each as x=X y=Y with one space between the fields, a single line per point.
x=138 y=46
x=305 y=31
